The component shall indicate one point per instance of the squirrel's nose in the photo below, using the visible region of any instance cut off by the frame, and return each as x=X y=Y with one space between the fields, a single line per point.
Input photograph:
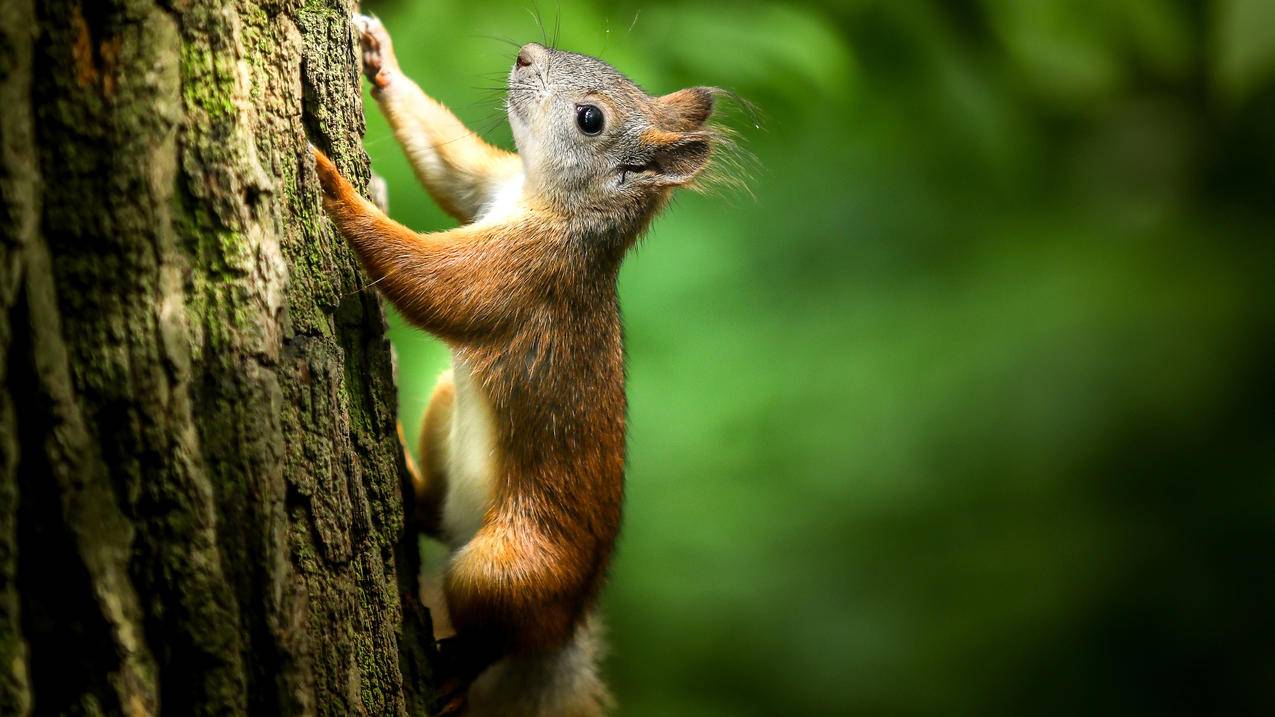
x=529 y=54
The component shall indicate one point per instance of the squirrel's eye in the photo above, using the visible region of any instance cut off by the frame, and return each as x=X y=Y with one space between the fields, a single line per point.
x=589 y=119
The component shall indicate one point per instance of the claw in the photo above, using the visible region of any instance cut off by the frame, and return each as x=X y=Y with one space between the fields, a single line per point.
x=378 y=54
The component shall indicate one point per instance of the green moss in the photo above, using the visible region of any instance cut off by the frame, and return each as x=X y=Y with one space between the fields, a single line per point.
x=208 y=81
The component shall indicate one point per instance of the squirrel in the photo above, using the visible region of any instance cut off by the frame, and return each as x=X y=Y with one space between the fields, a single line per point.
x=522 y=451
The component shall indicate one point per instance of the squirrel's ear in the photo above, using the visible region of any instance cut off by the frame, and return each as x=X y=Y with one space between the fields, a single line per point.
x=678 y=157
x=687 y=109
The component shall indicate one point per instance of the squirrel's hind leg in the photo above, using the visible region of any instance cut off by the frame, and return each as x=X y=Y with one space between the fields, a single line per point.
x=429 y=488
x=430 y=481
x=561 y=682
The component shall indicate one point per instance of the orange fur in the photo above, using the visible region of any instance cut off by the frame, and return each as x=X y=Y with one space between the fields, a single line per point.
x=527 y=444
x=541 y=334
x=431 y=481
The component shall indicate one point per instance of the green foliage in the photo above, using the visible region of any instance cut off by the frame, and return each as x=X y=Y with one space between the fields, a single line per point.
x=968 y=410
x=1244 y=34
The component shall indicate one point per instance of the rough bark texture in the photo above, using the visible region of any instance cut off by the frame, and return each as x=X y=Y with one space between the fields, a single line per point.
x=201 y=492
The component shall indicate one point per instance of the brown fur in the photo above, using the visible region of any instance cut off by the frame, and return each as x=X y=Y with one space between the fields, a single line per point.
x=528 y=304
x=430 y=483
x=540 y=328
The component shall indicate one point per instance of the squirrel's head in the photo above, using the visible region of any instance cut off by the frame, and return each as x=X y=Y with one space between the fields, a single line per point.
x=591 y=139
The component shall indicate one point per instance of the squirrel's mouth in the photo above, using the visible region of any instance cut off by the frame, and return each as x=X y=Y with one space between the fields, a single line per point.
x=526 y=89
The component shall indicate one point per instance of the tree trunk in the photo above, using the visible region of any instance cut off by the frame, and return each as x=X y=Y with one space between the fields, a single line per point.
x=201 y=490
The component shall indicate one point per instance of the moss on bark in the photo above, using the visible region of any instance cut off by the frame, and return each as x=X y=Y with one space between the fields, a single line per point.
x=201 y=489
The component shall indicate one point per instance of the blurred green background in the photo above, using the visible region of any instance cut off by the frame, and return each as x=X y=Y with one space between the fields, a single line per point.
x=969 y=409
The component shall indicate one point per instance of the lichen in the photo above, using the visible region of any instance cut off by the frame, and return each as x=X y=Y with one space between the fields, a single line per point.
x=230 y=381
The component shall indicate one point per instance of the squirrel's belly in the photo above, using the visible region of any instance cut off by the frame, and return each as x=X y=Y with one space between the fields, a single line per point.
x=471 y=460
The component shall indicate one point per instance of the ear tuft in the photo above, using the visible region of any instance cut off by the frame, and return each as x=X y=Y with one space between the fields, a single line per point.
x=687 y=109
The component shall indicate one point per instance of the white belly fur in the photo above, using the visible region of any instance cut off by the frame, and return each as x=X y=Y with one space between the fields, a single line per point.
x=471 y=460
x=505 y=201
x=471 y=456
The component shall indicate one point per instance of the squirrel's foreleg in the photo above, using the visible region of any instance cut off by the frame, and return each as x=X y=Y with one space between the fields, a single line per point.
x=452 y=284
x=460 y=170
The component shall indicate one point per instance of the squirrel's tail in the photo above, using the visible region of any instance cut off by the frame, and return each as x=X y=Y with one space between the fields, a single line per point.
x=562 y=683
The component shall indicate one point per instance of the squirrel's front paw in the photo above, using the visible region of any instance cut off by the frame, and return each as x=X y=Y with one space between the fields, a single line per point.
x=379 y=64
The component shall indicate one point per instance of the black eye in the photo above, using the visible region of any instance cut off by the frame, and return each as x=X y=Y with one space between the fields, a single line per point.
x=589 y=119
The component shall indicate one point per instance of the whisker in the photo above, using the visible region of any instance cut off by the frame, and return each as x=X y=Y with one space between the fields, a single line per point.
x=544 y=39
x=378 y=140
x=498 y=38
x=365 y=287
x=557 y=24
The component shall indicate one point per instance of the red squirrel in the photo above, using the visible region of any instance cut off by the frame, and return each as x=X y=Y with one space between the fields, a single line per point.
x=523 y=446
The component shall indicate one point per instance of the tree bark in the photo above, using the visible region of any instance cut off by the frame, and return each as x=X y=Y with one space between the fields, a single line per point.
x=201 y=488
